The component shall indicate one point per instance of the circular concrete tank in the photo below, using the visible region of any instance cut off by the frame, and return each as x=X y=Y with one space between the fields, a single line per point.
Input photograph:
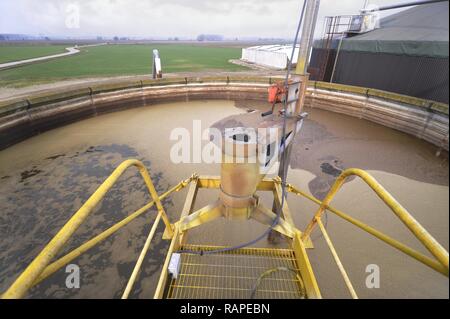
x=47 y=177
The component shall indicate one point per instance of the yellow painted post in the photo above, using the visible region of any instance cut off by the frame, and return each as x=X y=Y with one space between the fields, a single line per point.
x=174 y=245
x=305 y=268
x=140 y=260
x=339 y=264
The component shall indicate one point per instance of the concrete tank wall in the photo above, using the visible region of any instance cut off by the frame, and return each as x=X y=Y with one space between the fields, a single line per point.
x=24 y=117
x=424 y=119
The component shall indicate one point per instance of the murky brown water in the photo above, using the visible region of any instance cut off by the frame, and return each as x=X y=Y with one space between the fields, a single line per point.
x=45 y=179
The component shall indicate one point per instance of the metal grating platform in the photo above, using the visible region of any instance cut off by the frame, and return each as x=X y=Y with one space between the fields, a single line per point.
x=234 y=274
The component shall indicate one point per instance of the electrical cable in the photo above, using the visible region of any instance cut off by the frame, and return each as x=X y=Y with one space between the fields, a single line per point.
x=282 y=147
x=273 y=270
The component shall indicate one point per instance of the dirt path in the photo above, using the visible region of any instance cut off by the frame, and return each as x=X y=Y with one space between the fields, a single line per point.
x=69 y=51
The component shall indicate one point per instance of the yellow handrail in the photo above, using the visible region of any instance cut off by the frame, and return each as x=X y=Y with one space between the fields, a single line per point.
x=440 y=264
x=390 y=241
x=58 y=264
x=38 y=269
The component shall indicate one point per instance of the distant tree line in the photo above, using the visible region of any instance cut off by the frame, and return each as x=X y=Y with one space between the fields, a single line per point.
x=210 y=37
x=20 y=37
x=116 y=38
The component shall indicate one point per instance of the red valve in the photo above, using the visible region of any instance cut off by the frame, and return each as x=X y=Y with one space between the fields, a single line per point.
x=276 y=92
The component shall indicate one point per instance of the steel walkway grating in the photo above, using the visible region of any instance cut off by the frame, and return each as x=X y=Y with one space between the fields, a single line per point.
x=234 y=274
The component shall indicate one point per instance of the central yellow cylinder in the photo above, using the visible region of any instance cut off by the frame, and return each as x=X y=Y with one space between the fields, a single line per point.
x=240 y=174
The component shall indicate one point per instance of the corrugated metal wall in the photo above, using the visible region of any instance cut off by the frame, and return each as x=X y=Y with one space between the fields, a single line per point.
x=321 y=64
x=422 y=77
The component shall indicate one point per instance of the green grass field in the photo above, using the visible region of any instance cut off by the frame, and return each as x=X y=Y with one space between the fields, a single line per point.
x=116 y=60
x=10 y=53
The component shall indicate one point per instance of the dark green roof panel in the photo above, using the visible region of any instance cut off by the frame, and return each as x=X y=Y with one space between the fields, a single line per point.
x=420 y=31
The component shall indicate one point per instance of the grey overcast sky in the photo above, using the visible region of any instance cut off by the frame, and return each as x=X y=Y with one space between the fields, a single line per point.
x=166 y=18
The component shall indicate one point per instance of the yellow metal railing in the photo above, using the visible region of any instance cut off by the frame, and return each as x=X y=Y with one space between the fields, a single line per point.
x=439 y=264
x=40 y=268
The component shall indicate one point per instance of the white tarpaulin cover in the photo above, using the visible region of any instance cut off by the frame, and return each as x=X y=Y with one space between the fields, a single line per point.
x=274 y=56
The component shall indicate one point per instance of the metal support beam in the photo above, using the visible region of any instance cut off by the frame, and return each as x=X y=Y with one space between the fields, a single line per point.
x=189 y=205
x=312 y=9
x=265 y=216
x=200 y=217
